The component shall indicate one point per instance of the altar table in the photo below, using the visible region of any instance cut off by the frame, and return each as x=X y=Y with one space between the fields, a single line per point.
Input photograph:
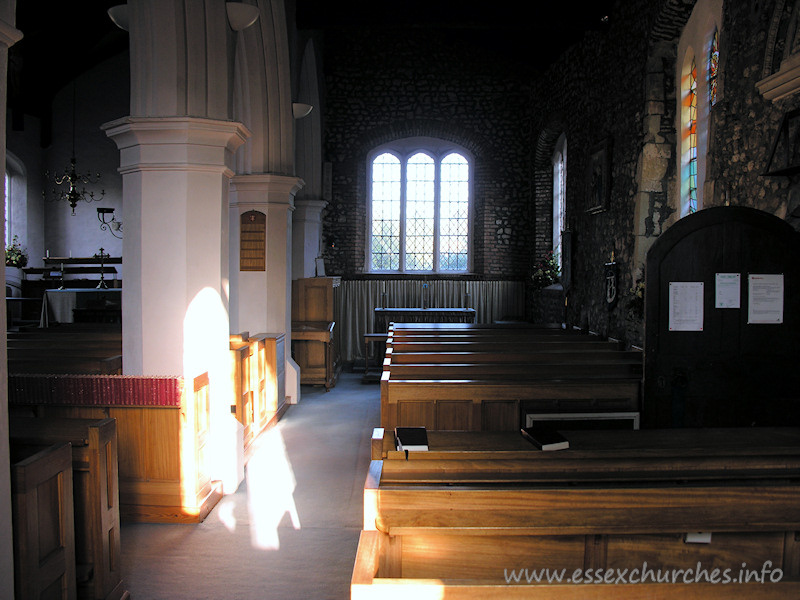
x=58 y=305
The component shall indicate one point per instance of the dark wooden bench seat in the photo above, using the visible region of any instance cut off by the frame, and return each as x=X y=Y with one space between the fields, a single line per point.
x=513 y=356
x=488 y=404
x=556 y=344
x=615 y=501
x=60 y=364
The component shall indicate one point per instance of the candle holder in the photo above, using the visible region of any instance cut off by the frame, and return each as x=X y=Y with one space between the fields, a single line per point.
x=102 y=256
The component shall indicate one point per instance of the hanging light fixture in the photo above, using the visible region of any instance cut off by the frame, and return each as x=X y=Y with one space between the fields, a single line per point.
x=70 y=183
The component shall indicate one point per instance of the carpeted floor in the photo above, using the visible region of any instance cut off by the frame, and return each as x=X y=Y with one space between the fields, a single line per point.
x=290 y=530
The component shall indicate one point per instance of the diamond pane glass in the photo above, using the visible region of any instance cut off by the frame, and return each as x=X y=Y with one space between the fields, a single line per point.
x=385 y=249
x=454 y=214
x=420 y=213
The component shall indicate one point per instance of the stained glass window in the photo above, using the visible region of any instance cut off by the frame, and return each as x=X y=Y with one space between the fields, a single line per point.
x=692 y=139
x=420 y=212
x=713 y=66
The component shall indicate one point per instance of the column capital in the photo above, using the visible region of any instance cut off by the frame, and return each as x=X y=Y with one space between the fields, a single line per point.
x=261 y=189
x=9 y=35
x=176 y=143
x=307 y=209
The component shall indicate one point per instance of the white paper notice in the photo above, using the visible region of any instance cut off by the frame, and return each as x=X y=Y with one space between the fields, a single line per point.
x=686 y=306
x=728 y=293
x=765 y=300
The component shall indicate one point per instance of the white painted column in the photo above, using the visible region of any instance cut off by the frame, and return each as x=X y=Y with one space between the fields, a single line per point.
x=306 y=231
x=176 y=173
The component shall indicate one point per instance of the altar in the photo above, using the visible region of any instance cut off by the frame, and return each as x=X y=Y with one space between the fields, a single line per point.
x=384 y=316
x=76 y=304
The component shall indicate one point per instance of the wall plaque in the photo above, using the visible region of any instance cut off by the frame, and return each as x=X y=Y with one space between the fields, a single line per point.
x=253 y=241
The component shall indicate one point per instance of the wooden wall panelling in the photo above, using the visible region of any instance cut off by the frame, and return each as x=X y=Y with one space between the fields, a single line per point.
x=95 y=496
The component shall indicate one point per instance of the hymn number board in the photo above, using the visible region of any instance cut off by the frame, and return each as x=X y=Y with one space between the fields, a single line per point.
x=253 y=241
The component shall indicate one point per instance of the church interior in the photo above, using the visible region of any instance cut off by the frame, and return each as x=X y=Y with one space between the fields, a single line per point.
x=250 y=244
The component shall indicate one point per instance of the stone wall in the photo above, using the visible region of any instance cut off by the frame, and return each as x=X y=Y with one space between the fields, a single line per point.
x=616 y=86
x=386 y=85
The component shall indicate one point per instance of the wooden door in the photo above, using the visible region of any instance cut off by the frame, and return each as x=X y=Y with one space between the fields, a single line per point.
x=733 y=372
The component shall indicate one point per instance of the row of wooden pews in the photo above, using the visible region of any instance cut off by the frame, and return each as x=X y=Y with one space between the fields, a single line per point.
x=622 y=514
x=75 y=348
x=477 y=377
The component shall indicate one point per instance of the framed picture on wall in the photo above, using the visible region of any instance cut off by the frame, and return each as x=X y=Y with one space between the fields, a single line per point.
x=599 y=177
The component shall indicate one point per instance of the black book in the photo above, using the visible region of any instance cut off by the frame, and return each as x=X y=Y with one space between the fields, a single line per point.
x=411 y=438
x=545 y=437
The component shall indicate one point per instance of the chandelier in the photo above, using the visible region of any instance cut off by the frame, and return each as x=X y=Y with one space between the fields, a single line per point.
x=70 y=183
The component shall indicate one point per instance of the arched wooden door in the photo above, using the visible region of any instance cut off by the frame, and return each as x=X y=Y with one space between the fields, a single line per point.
x=723 y=367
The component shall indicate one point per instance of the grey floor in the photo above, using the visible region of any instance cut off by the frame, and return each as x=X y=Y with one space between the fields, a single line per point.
x=290 y=530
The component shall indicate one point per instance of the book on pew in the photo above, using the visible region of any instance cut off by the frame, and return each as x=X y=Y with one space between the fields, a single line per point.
x=545 y=437
x=411 y=438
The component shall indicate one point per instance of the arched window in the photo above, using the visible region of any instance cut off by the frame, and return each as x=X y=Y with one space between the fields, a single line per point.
x=691 y=137
x=559 y=195
x=713 y=68
x=9 y=233
x=16 y=200
x=419 y=207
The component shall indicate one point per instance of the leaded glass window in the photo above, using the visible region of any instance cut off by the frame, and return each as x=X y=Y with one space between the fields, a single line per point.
x=713 y=67
x=692 y=138
x=385 y=250
x=420 y=213
x=454 y=214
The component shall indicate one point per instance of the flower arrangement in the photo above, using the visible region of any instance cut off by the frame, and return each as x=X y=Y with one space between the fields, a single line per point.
x=16 y=256
x=636 y=298
x=546 y=271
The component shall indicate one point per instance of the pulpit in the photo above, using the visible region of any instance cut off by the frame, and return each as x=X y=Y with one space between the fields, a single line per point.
x=313 y=330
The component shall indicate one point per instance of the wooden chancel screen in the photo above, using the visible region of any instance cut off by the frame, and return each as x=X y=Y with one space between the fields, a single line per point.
x=722 y=322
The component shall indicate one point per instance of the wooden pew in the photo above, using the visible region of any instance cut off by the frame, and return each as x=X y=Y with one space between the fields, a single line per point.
x=490 y=378
x=43 y=523
x=95 y=487
x=453 y=521
x=162 y=431
x=60 y=364
x=513 y=356
x=556 y=344
x=66 y=350
x=499 y=405
x=504 y=370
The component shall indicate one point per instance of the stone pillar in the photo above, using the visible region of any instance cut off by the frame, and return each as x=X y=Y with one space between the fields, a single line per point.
x=8 y=37
x=176 y=174
x=306 y=231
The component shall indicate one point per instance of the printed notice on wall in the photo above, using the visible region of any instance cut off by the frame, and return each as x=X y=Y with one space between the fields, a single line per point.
x=765 y=299
x=728 y=293
x=686 y=306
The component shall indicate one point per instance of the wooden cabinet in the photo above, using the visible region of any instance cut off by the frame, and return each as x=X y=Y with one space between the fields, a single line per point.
x=314 y=330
